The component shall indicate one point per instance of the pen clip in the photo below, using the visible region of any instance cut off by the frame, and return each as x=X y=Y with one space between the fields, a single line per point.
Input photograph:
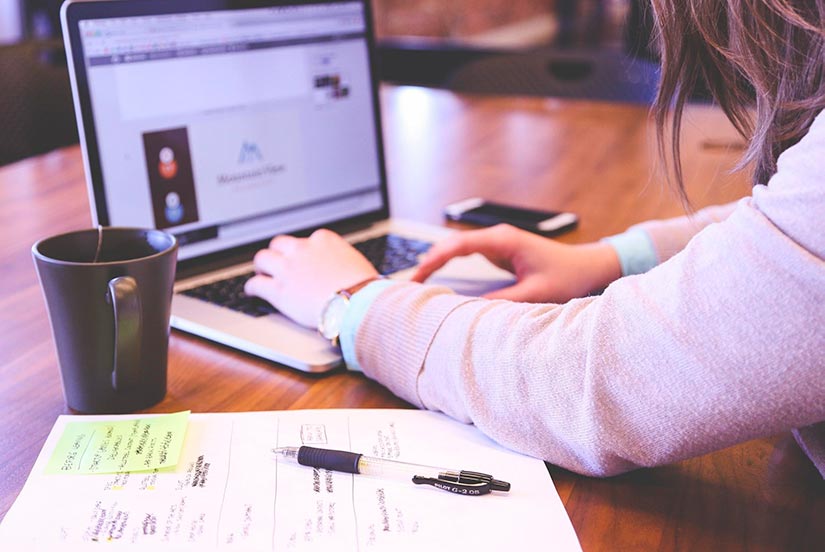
x=470 y=489
x=464 y=482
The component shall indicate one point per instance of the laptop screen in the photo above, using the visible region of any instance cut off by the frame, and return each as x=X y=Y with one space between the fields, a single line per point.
x=227 y=126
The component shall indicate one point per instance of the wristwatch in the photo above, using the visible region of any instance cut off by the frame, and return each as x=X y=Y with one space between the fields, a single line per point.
x=332 y=315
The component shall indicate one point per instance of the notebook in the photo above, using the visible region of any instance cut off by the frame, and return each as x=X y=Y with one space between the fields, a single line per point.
x=227 y=122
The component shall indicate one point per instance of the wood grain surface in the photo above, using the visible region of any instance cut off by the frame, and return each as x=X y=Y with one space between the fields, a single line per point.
x=598 y=160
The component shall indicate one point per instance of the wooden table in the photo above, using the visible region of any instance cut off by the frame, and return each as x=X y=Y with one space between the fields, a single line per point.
x=597 y=160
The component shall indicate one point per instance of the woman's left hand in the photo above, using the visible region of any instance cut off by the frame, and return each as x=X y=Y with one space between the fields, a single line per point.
x=299 y=275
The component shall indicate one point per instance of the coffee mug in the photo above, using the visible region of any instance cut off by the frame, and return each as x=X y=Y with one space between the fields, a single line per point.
x=108 y=292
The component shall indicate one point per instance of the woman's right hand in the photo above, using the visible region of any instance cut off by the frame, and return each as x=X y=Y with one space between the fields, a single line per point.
x=546 y=271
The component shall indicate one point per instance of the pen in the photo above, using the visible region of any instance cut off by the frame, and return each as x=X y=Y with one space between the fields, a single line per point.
x=461 y=482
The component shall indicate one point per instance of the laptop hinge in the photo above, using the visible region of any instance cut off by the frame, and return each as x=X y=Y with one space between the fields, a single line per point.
x=351 y=227
x=217 y=261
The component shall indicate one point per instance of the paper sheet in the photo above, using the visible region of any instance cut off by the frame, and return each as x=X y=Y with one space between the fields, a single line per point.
x=229 y=492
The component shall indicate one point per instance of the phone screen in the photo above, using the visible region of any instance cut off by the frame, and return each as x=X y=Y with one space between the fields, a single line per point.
x=485 y=213
x=510 y=214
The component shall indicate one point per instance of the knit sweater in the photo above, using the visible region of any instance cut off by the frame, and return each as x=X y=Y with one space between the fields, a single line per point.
x=722 y=342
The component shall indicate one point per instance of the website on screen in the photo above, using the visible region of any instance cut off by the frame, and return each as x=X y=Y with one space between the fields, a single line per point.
x=227 y=127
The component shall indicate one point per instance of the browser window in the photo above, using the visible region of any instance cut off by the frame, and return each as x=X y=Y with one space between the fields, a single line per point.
x=227 y=127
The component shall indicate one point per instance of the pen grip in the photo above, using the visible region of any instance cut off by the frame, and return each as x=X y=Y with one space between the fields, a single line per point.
x=335 y=460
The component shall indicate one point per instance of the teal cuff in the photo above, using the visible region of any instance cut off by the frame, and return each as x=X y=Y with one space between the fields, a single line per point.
x=635 y=249
x=359 y=304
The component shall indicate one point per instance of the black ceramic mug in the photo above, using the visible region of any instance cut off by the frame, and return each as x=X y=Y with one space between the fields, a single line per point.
x=109 y=295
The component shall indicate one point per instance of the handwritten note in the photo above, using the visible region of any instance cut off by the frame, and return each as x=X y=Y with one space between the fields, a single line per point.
x=229 y=492
x=117 y=445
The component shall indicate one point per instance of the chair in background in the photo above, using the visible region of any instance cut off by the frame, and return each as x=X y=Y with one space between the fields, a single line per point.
x=36 y=109
x=423 y=62
x=594 y=54
x=600 y=74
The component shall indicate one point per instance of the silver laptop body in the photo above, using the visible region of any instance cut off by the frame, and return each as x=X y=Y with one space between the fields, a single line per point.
x=225 y=125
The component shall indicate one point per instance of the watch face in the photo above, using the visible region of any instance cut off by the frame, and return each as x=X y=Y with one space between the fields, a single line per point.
x=332 y=317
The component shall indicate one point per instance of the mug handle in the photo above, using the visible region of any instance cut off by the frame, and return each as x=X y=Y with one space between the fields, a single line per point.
x=125 y=299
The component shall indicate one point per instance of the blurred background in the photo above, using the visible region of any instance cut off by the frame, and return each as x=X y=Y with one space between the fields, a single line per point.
x=514 y=24
x=594 y=49
x=485 y=23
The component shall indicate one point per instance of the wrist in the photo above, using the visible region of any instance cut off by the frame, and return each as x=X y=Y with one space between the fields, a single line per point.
x=336 y=307
x=635 y=251
x=605 y=266
x=360 y=304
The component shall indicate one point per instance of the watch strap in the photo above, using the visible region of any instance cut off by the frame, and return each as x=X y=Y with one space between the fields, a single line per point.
x=324 y=327
x=352 y=290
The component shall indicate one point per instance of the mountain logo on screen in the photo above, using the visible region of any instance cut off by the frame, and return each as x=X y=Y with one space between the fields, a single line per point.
x=250 y=153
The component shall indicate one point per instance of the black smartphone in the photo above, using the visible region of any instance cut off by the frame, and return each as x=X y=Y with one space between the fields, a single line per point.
x=486 y=213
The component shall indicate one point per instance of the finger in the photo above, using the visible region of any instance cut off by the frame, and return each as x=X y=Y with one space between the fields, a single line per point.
x=265 y=287
x=439 y=254
x=284 y=243
x=423 y=272
x=268 y=261
x=323 y=234
x=490 y=242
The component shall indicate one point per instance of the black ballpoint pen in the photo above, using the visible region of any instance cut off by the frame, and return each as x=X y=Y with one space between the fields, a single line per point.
x=455 y=481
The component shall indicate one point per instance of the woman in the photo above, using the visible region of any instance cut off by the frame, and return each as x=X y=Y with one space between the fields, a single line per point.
x=711 y=331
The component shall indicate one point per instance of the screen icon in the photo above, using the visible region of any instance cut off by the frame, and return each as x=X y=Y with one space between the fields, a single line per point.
x=171 y=180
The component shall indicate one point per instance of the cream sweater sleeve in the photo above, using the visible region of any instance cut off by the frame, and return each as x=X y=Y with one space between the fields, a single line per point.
x=720 y=344
x=670 y=236
x=645 y=245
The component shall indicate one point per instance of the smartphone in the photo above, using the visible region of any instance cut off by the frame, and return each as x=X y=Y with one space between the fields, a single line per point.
x=486 y=213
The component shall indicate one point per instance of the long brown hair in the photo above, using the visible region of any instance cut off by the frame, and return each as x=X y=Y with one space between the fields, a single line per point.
x=762 y=60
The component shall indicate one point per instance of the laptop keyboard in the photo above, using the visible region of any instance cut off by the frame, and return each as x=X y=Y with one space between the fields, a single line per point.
x=391 y=253
x=388 y=254
x=229 y=293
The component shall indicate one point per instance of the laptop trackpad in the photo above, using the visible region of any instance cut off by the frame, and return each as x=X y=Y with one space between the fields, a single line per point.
x=472 y=275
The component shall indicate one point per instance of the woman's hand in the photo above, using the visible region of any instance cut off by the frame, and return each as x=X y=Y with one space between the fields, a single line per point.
x=299 y=275
x=546 y=271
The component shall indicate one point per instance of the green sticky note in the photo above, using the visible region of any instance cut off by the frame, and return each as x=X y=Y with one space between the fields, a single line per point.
x=119 y=445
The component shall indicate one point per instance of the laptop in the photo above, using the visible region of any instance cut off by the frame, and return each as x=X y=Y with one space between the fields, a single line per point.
x=226 y=122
